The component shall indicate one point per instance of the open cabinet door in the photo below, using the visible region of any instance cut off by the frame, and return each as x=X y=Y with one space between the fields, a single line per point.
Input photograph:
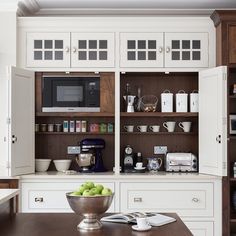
x=213 y=121
x=21 y=121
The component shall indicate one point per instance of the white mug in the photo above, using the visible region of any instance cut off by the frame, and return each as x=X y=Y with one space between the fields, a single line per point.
x=193 y=102
x=169 y=125
x=186 y=126
x=142 y=128
x=142 y=222
x=129 y=128
x=154 y=128
x=139 y=165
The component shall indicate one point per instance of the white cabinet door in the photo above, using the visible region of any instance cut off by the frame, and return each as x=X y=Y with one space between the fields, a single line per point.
x=213 y=121
x=201 y=228
x=92 y=50
x=21 y=126
x=186 y=50
x=141 y=50
x=48 y=49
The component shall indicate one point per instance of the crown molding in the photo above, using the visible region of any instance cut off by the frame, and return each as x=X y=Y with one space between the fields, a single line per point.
x=27 y=7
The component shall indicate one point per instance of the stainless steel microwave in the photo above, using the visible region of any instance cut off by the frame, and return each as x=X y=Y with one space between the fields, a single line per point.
x=232 y=126
x=70 y=93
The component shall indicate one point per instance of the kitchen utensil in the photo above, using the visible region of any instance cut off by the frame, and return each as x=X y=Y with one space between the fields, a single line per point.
x=181 y=101
x=130 y=103
x=142 y=222
x=142 y=128
x=167 y=101
x=129 y=128
x=186 y=126
x=154 y=163
x=85 y=161
x=154 y=128
x=90 y=208
x=169 y=125
x=139 y=165
x=62 y=165
x=149 y=103
x=42 y=165
x=194 y=101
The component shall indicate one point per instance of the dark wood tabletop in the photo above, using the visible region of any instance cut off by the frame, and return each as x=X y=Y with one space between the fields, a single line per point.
x=65 y=224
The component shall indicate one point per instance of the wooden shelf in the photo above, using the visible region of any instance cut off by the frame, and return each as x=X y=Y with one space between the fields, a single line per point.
x=159 y=114
x=232 y=137
x=75 y=114
x=232 y=96
x=158 y=133
x=71 y=133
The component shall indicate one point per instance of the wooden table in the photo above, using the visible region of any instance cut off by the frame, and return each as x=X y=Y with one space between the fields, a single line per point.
x=65 y=224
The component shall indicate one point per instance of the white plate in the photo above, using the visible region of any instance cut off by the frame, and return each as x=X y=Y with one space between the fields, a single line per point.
x=135 y=227
x=139 y=168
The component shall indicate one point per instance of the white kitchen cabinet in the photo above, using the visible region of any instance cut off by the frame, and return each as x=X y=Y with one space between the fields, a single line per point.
x=190 y=199
x=46 y=49
x=205 y=228
x=171 y=50
x=92 y=50
x=51 y=196
x=213 y=121
x=186 y=50
x=17 y=123
x=141 y=50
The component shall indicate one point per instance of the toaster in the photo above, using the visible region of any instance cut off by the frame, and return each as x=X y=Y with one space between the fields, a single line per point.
x=181 y=162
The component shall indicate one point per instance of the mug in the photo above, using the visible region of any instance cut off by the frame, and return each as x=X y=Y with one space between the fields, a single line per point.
x=103 y=128
x=154 y=128
x=142 y=128
x=129 y=128
x=94 y=128
x=186 y=126
x=142 y=222
x=139 y=165
x=169 y=125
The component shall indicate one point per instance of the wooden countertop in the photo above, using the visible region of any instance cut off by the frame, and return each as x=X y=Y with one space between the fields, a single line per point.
x=63 y=224
x=7 y=194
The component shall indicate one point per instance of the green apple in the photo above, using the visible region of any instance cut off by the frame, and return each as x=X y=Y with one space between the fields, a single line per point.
x=99 y=187
x=86 y=193
x=106 y=192
x=89 y=184
x=76 y=193
x=82 y=188
x=94 y=191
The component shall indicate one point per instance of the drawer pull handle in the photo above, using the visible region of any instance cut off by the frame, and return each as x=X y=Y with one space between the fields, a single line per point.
x=38 y=199
x=195 y=199
x=138 y=199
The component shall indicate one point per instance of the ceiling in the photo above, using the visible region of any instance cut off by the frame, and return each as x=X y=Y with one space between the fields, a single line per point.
x=121 y=7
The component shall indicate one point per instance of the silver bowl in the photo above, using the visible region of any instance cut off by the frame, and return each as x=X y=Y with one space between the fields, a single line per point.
x=89 y=208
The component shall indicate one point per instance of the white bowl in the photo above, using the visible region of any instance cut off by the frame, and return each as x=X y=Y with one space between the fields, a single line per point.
x=62 y=165
x=42 y=165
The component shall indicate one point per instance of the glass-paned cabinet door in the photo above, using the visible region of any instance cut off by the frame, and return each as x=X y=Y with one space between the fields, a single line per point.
x=48 y=49
x=92 y=50
x=186 y=50
x=141 y=50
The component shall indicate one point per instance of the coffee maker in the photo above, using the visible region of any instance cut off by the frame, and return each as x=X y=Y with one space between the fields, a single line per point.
x=90 y=158
x=129 y=162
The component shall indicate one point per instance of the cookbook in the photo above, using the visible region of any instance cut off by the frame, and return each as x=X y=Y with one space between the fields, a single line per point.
x=154 y=219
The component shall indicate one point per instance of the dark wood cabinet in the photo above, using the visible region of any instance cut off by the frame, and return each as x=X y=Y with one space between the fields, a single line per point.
x=225 y=23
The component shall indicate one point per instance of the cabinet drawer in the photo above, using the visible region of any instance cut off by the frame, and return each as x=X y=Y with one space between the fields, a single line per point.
x=186 y=199
x=200 y=228
x=50 y=197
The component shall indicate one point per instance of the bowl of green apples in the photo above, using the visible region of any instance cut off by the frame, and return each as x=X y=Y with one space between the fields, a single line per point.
x=90 y=200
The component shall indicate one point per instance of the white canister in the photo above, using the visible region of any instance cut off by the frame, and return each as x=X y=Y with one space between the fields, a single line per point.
x=181 y=101
x=194 y=101
x=167 y=101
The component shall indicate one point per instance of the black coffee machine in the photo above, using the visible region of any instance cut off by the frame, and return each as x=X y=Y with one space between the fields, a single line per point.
x=94 y=146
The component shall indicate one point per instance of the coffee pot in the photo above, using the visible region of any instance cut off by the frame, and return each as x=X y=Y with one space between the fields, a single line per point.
x=154 y=164
x=130 y=102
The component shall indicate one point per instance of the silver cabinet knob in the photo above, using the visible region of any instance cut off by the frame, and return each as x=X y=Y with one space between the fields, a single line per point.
x=167 y=49
x=195 y=200
x=138 y=199
x=38 y=199
x=13 y=139
x=160 y=49
x=218 y=139
x=67 y=49
x=74 y=50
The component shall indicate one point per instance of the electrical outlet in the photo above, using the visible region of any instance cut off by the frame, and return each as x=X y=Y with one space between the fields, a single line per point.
x=73 y=150
x=160 y=149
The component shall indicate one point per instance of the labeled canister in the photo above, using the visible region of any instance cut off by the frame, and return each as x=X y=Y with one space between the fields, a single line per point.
x=83 y=126
x=167 y=101
x=78 y=126
x=65 y=126
x=72 y=126
x=181 y=101
x=194 y=101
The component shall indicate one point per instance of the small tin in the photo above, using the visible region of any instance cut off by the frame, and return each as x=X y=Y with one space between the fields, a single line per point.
x=50 y=127
x=43 y=127
x=36 y=127
x=65 y=126
x=78 y=126
x=110 y=128
x=94 y=128
x=103 y=128
x=83 y=126
x=72 y=126
x=58 y=127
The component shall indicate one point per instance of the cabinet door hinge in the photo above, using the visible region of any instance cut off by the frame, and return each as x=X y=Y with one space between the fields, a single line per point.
x=8 y=120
